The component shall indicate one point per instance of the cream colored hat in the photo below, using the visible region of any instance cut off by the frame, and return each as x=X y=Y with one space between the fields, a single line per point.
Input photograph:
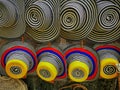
x=12 y=23
x=12 y=84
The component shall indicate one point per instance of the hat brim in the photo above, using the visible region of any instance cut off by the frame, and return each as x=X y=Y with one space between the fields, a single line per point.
x=19 y=27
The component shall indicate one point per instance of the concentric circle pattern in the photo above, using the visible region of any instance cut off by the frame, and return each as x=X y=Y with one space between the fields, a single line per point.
x=76 y=18
x=12 y=21
x=28 y=3
x=7 y=14
x=39 y=15
x=42 y=17
x=52 y=60
x=109 y=69
x=15 y=70
x=24 y=52
x=84 y=59
x=78 y=73
x=45 y=73
x=107 y=28
x=109 y=56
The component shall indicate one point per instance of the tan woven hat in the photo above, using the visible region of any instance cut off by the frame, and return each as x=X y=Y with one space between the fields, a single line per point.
x=11 y=84
x=12 y=23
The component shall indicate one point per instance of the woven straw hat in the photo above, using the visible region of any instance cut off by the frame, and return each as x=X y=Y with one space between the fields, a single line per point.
x=12 y=84
x=42 y=18
x=12 y=23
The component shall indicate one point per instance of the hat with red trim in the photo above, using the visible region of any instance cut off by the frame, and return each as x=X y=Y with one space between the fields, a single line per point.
x=83 y=63
x=52 y=64
x=18 y=58
x=109 y=56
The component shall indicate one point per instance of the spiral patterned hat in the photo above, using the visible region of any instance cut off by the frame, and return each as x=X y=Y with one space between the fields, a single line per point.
x=18 y=58
x=107 y=28
x=42 y=18
x=76 y=18
x=52 y=65
x=12 y=22
x=109 y=56
x=83 y=63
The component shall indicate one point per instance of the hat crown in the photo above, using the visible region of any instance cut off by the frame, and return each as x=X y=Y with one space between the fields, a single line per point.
x=40 y=14
x=8 y=13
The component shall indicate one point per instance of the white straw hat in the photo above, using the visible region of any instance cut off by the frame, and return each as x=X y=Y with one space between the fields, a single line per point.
x=12 y=23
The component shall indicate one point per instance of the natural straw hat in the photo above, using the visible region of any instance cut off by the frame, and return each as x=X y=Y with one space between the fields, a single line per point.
x=12 y=23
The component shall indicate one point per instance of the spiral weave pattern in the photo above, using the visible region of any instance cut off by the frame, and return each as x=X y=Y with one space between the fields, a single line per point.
x=28 y=3
x=107 y=28
x=7 y=14
x=109 y=69
x=42 y=17
x=76 y=18
x=12 y=22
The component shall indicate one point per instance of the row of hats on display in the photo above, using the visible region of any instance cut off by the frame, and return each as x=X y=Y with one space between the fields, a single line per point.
x=45 y=20
x=51 y=63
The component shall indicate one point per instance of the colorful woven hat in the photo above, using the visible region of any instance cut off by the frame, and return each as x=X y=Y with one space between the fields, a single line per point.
x=18 y=59
x=83 y=63
x=109 y=56
x=12 y=22
x=52 y=64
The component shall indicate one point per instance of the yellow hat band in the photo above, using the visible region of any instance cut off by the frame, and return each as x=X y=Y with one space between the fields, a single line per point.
x=16 y=68
x=78 y=71
x=108 y=68
x=47 y=71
